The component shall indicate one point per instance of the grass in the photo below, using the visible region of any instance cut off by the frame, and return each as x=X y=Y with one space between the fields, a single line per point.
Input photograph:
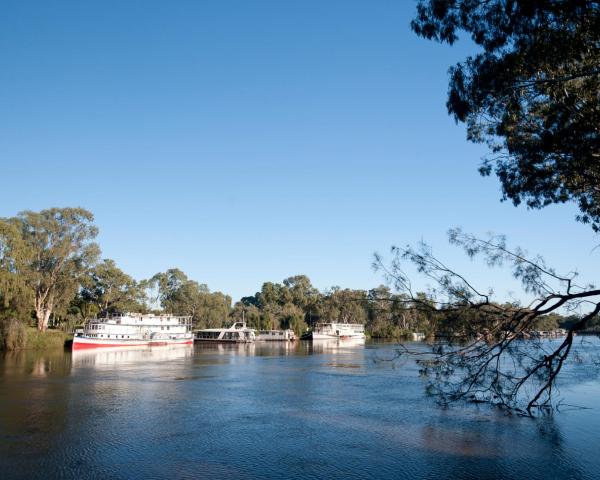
x=36 y=340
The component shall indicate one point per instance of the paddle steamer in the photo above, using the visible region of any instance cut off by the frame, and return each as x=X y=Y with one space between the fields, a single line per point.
x=329 y=331
x=134 y=329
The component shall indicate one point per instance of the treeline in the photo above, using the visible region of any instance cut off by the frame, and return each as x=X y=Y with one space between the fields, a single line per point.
x=52 y=274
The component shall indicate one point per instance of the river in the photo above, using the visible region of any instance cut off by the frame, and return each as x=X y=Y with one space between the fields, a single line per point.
x=273 y=411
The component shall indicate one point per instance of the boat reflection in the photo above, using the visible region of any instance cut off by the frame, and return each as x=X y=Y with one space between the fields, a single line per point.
x=268 y=349
x=334 y=345
x=244 y=349
x=111 y=357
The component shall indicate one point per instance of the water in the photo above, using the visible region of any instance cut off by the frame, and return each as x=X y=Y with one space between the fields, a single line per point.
x=272 y=411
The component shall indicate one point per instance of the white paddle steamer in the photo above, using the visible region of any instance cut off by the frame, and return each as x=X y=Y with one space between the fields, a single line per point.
x=329 y=331
x=134 y=329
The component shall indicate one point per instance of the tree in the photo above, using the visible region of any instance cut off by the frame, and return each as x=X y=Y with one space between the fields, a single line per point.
x=530 y=94
x=292 y=316
x=110 y=289
x=492 y=364
x=14 y=295
x=59 y=251
x=179 y=295
x=344 y=306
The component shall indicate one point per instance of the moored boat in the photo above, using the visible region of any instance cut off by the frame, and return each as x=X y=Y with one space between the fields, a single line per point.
x=332 y=330
x=276 y=335
x=134 y=330
x=237 y=333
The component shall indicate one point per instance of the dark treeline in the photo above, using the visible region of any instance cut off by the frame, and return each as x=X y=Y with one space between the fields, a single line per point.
x=52 y=274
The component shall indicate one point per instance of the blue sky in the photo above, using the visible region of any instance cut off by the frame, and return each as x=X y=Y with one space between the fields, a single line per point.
x=247 y=141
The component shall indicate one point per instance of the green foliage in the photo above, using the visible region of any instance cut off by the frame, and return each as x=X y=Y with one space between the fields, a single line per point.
x=179 y=295
x=296 y=304
x=345 y=306
x=36 y=340
x=48 y=266
x=14 y=294
x=530 y=93
x=52 y=251
x=292 y=316
x=13 y=335
x=106 y=288
x=548 y=322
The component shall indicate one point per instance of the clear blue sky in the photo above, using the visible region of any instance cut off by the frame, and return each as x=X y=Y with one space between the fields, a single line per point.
x=247 y=141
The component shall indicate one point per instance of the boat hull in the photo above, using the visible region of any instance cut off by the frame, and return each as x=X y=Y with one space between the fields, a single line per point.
x=83 y=342
x=221 y=340
x=323 y=336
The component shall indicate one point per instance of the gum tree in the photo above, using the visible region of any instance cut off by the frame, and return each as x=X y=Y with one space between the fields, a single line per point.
x=60 y=250
x=531 y=93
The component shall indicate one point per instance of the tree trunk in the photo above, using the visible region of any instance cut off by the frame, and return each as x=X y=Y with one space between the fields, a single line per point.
x=39 y=314
x=42 y=313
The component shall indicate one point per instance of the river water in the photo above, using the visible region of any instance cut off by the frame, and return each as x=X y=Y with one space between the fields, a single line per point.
x=273 y=411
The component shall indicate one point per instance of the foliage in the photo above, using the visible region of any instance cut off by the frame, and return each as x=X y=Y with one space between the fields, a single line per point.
x=12 y=335
x=14 y=294
x=53 y=249
x=531 y=93
x=106 y=288
x=179 y=295
x=494 y=364
x=36 y=340
x=343 y=306
x=15 y=335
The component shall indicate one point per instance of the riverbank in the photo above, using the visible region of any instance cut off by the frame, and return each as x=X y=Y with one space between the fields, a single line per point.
x=19 y=337
x=36 y=340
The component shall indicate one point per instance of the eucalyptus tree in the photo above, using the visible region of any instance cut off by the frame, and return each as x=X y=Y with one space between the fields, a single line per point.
x=531 y=93
x=212 y=309
x=344 y=305
x=109 y=289
x=292 y=316
x=380 y=321
x=179 y=295
x=15 y=297
x=59 y=250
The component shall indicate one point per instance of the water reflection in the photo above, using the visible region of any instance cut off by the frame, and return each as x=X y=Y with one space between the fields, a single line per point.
x=243 y=349
x=117 y=357
x=334 y=345
x=34 y=363
x=32 y=401
x=266 y=410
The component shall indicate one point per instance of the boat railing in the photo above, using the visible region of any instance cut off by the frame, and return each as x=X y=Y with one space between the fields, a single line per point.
x=117 y=316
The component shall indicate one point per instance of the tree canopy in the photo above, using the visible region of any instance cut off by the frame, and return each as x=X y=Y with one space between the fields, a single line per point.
x=109 y=289
x=531 y=93
x=51 y=252
x=179 y=295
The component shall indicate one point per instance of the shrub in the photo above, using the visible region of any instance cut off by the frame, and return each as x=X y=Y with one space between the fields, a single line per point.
x=13 y=335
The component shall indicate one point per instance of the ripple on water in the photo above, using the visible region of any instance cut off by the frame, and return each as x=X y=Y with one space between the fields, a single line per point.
x=272 y=412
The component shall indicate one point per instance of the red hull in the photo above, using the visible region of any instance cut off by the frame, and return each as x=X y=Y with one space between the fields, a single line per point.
x=81 y=346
